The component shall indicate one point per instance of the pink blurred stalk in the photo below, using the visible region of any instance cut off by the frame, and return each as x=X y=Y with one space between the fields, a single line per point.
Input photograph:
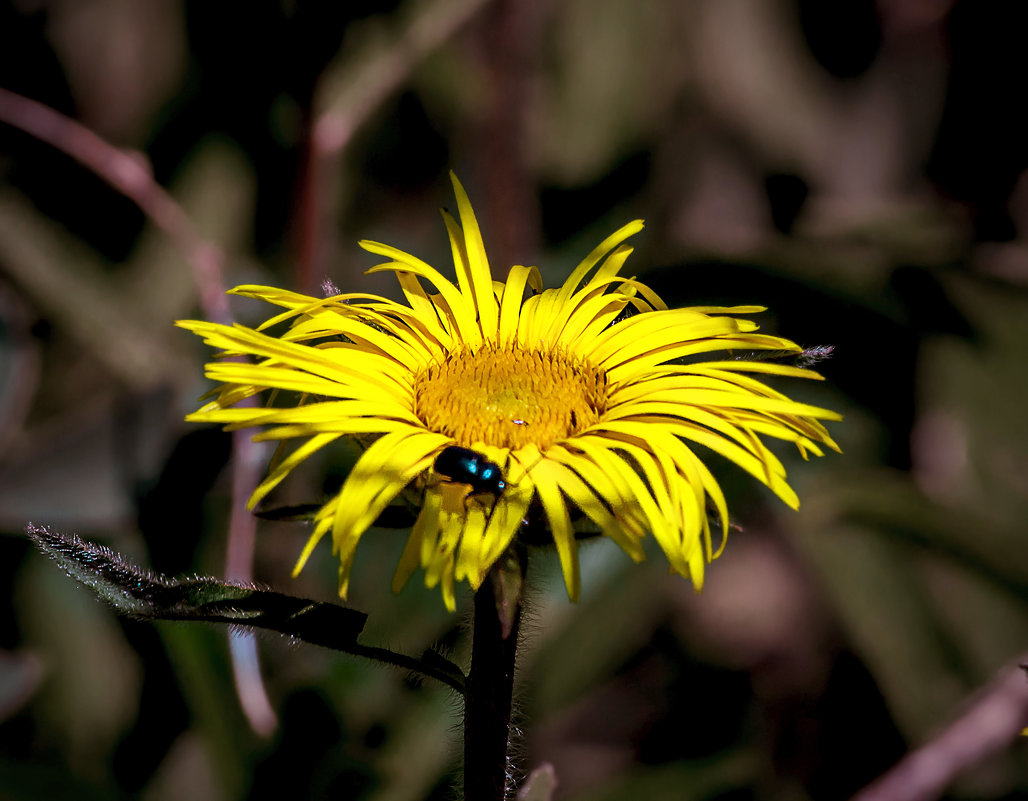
x=991 y=723
x=128 y=172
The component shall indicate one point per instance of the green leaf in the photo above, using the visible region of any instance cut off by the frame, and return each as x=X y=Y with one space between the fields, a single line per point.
x=151 y=596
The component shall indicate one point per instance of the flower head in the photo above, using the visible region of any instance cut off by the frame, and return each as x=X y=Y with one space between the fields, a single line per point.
x=588 y=398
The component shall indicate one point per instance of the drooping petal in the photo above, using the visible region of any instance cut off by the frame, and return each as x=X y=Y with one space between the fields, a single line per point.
x=382 y=471
x=588 y=497
x=552 y=500
x=287 y=465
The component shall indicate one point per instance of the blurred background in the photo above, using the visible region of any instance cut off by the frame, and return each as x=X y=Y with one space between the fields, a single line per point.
x=856 y=166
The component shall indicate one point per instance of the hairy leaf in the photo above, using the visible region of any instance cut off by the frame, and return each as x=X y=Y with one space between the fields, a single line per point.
x=148 y=595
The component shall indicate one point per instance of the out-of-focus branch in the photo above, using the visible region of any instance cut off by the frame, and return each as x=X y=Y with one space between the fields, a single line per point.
x=991 y=723
x=239 y=550
x=348 y=93
x=508 y=47
x=129 y=174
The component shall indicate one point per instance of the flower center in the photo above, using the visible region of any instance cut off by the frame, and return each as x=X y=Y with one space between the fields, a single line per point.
x=509 y=397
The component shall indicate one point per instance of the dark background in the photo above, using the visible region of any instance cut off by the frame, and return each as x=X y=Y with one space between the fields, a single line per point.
x=858 y=167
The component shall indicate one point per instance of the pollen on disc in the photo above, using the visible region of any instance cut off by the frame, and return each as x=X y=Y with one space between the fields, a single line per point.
x=509 y=397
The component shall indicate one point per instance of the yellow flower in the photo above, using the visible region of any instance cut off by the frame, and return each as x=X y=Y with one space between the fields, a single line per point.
x=586 y=410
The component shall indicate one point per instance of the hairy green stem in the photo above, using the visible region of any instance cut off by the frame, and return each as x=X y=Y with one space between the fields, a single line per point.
x=490 y=684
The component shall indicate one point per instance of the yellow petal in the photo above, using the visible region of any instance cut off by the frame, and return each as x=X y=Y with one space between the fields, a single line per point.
x=382 y=471
x=646 y=362
x=469 y=551
x=591 y=317
x=461 y=307
x=354 y=426
x=286 y=466
x=601 y=449
x=507 y=518
x=460 y=255
x=601 y=250
x=648 y=333
x=560 y=525
x=616 y=494
x=756 y=367
x=769 y=473
x=426 y=527
x=388 y=338
x=425 y=312
x=441 y=558
x=565 y=306
x=513 y=296
x=478 y=266
x=581 y=491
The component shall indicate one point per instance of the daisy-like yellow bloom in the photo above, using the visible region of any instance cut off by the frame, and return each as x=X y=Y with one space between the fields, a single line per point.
x=586 y=410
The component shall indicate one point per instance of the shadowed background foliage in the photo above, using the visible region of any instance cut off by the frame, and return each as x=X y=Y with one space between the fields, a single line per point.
x=858 y=167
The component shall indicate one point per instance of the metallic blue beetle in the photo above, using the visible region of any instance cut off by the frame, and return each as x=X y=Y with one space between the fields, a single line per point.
x=465 y=466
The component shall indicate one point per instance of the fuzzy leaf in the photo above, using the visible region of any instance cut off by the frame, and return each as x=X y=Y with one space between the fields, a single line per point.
x=148 y=595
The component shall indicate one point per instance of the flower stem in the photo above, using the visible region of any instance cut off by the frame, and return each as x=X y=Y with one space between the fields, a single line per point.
x=490 y=684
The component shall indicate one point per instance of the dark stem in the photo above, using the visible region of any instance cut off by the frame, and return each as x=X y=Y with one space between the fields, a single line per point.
x=490 y=684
